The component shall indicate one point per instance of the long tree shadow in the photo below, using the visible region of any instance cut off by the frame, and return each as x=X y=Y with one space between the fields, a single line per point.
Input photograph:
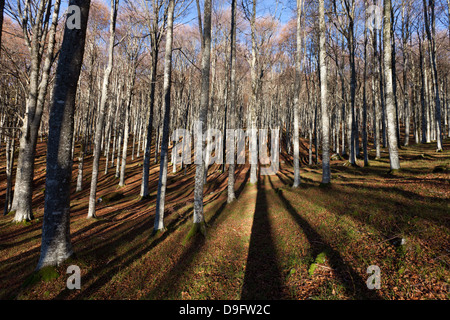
x=354 y=285
x=262 y=280
x=168 y=285
x=128 y=235
x=123 y=261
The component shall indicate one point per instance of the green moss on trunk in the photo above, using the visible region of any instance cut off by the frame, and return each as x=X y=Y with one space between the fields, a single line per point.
x=45 y=274
x=195 y=229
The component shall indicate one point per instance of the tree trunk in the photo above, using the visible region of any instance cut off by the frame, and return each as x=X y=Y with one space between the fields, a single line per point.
x=390 y=103
x=162 y=183
x=232 y=121
x=431 y=34
x=326 y=173
x=297 y=89
x=56 y=244
x=37 y=91
x=199 y=219
x=102 y=111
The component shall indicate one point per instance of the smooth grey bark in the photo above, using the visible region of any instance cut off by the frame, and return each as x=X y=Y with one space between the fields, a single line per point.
x=198 y=217
x=406 y=86
x=394 y=76
x=422 y=92
x=232 y=122
x=56 y=244
x=326 y=172
x=297 y=90
x=254 y=99
x=126 y=133
x=375 y=100
x=430 y=28
x=390 y=103
x=37 y=91
x=9 y=150
x=162 y=183
x=382 y=94
x=364 y=124
x=102 y=109
x=155 y=41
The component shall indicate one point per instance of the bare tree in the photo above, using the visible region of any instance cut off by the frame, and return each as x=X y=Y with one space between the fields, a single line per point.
x=430 y=28
x=326 y=173
x=56 y=244
x=390 y=104
x=297 y=86
x=162 y=183
x=199 y=219
x=102 y=107
x=232 y=166
x=37 y=90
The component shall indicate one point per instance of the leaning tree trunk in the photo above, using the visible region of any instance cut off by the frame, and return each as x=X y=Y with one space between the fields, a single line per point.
x=56 y=244
x=390 y=103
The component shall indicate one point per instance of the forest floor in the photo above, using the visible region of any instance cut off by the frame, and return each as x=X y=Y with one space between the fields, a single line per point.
x=273 y=242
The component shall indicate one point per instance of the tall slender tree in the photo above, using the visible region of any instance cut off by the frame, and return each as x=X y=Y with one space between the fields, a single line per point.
x=162 y=183
x=326 y=173
x=297 y=91
x=39 y=77
x=430 y=28
x=232 y=122
x=199 y=218
x=390 y=103
x=102 y=107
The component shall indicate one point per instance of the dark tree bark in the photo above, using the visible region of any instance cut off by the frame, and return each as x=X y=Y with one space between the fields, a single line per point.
x=56 y=244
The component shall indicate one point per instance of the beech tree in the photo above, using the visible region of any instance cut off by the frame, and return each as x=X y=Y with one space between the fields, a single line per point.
x=205 y=26
x=232 y=83
x=326 y=173
x=34 y=21
x=162 y=182
x=101 y=110
x=390 y=103
x=56 y=244
x=298 y=58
